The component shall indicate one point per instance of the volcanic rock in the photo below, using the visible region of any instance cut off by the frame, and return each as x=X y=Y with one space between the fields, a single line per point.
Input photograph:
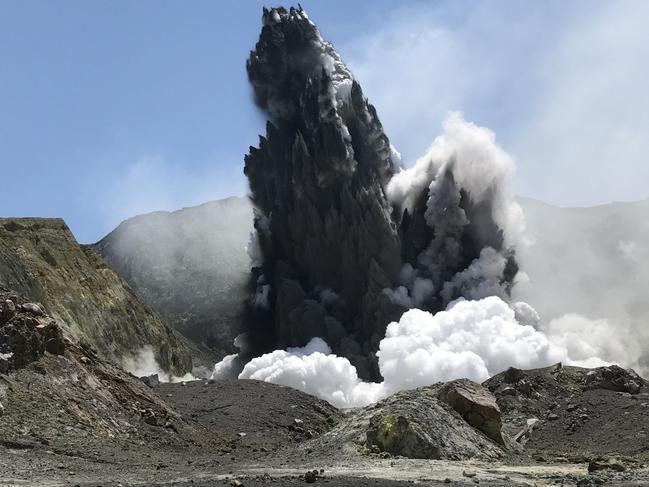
x=33 y=308
x=41 y=260
x=577 y=420
x=24 y=338
x=476 y=405
x=614 y=378
x=414 y=424
x=607 y=464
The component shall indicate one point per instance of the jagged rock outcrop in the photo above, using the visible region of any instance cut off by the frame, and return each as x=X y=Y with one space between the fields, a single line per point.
x=189 y=265
x=614 y=378
x=41 y=260
x=26 y=332
x=414 y=424
x=324 y=226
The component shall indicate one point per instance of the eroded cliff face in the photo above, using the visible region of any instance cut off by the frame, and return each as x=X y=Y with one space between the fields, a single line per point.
x=40 y=259
x=325 y=231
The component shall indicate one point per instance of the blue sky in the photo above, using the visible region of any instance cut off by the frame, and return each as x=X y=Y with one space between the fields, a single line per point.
x=109 y=109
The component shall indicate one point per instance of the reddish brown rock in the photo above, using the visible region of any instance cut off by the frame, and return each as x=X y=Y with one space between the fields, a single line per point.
x=476 y=405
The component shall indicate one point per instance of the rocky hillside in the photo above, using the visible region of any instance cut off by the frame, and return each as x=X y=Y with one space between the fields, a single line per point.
x=190 y=265
x=41 y=260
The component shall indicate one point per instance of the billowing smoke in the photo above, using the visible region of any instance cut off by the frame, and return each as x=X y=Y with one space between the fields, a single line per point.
x=460 y=222
x=473 y=339
x=469 y=155
x=317 y=181
x=348 y=243
x=143 y=364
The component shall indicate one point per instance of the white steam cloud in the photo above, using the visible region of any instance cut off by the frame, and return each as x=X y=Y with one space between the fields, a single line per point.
x=473 y=339
x=478 y=165
x=143 y=364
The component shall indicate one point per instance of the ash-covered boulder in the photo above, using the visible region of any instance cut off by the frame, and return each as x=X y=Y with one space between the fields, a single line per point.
x=413 y=424
x=328 y=243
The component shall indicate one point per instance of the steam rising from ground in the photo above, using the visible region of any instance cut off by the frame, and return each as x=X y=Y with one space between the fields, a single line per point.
x=143 y=364
x=473 y=339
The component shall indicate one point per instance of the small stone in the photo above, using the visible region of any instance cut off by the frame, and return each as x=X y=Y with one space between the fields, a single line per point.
x=10 y=306
x=610 y=464
x=2 y=410
x=552 y=417
x=4 y=363
x=235 y=483
x=152 y=380
x=524 y=386
x=33 y=308
x=468 y=474
x=310 y=477
x=298 y=421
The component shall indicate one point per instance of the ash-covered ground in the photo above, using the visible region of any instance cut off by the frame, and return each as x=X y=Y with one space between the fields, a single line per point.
x=69 y=417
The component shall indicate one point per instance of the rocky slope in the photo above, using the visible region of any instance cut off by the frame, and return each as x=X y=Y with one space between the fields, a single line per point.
x=41 y=260
x=575 y=414
x=189 y=265
x=70 y=418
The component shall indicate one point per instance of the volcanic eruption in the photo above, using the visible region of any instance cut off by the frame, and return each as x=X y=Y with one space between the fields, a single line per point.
x=348 y=240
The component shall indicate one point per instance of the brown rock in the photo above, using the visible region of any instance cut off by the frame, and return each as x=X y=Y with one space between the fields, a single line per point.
x=476 y=405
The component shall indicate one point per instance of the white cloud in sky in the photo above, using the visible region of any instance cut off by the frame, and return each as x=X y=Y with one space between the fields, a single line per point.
x=563 y=85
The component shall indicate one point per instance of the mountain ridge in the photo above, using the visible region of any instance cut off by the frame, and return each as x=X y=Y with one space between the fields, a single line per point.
x=40 y=259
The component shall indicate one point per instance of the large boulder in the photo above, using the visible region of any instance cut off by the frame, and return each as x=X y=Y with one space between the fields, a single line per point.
x=419 y=424
x=476 y=405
